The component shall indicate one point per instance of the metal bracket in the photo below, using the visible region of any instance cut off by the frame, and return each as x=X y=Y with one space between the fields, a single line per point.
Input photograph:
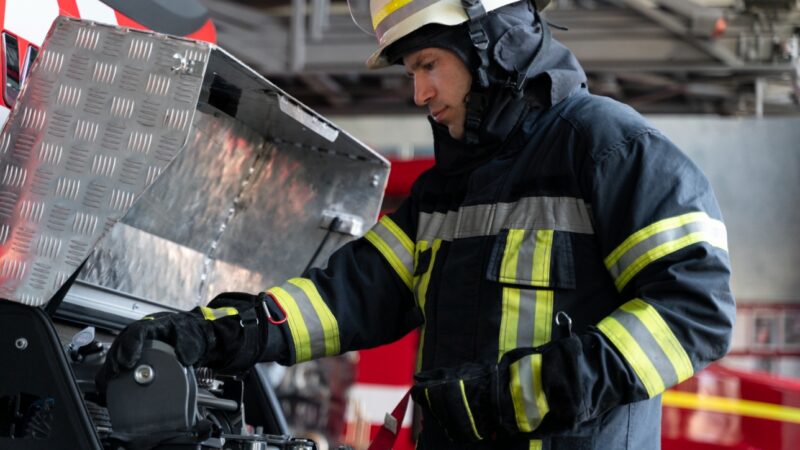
x=348 y=224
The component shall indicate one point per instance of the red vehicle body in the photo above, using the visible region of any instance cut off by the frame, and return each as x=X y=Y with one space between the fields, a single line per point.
x=24 y=24
x=717 y=409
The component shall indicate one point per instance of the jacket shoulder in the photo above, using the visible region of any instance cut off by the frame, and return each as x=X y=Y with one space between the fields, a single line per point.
x=603 y=124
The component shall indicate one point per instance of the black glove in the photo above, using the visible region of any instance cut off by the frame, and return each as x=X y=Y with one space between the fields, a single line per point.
x=477 y=402
x=460 y=399
x=229 y=335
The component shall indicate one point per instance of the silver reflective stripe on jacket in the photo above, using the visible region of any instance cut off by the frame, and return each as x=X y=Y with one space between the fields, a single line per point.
x=314 y=328
x=660 y=239
x=648 y=345
x=393 y=243
x=527 y=394
x=554 y=213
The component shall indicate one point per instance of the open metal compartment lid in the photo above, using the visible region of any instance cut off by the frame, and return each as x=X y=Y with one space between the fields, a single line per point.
x=175 y=169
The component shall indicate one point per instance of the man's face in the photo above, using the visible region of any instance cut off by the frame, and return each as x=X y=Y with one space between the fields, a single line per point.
x=441 y=82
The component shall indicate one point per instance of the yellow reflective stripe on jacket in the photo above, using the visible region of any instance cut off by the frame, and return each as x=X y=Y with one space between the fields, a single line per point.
x=509 y=320
x=314 y=329
x=330 y=327
x=469 y=411
x=526 y=257
x=297 y=325
x=425 y=278
x=510 y=262
x=526 y=318
x=422 y=292
x=543 y=318
x=540 y=273
x=218 y=313
x=527 y=396
x=535 y=444
x=648 y=345
x=395 y=246
x=659 y=329
x=660 y=239
x=526 y=314
x=428 y=399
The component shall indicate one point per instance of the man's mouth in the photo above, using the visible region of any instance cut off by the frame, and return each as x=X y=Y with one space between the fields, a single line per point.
x=437 y=115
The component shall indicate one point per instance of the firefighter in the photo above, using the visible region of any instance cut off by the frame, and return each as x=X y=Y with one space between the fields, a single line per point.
x=565 y=262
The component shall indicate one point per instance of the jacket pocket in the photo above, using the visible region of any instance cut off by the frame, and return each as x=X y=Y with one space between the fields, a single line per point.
x=531 y=266
x=535 y=258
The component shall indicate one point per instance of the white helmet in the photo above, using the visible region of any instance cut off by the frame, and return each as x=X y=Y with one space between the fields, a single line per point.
x=395 y=19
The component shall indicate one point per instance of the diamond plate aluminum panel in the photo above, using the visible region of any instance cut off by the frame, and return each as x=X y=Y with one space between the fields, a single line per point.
x=173 y=170
x=234 y=212
x=101 y=114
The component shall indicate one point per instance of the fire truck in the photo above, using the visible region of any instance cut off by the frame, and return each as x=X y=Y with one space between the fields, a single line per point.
x=85 y=237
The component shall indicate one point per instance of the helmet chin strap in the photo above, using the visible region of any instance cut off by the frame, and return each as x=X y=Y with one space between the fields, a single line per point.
x=480 y=39
x=476 y=99
x=476 y=102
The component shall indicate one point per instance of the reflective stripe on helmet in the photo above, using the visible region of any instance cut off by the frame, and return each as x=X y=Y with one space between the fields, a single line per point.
x=395 y=12
x=395 y=19
x=389 y=8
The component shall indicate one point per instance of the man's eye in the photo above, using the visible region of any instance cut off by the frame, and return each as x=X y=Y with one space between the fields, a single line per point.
x=428 y=65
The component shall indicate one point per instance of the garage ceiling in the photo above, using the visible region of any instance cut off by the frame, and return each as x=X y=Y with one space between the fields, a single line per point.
x=661 y=56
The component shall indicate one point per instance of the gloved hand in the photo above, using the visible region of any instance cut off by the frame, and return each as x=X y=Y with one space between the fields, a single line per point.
x=462 y=400
x=230 y=335
x=478 y=402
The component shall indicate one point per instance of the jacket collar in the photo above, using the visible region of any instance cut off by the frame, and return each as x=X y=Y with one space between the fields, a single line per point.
x=558 y=76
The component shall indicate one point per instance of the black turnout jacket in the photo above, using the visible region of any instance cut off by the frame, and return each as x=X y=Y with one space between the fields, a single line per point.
x=584 y=208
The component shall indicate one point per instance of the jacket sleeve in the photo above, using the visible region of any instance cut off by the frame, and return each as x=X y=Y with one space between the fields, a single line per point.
x=361 y=299
x=661 y=233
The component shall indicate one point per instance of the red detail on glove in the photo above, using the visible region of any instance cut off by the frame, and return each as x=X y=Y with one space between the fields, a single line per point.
x=283 y=311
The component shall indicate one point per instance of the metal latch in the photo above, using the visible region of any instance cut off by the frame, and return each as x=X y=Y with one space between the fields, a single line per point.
x=347 y=223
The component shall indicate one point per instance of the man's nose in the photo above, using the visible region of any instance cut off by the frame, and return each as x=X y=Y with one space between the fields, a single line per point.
x=423 y=90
